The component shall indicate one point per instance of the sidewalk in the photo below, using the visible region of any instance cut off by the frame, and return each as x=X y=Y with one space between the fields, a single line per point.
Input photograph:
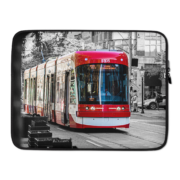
x=161 y=114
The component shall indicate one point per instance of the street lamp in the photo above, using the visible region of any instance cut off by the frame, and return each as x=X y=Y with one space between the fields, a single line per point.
x=142 y=70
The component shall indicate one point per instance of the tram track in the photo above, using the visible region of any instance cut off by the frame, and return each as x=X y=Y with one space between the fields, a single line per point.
x=136 y=137
x=119 y=145
x=145 y=139
x=94 y=143
x=155 y=132
x=103 y=141
x=125 y=146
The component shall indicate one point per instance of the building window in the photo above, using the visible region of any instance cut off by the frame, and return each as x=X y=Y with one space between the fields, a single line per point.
x=152 y=47
x=100 y=36
x=151 y=34
x=122 y=45
x=96 y=38
x=105 y=35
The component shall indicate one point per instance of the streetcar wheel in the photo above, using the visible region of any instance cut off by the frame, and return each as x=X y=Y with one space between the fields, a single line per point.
x=153 y=106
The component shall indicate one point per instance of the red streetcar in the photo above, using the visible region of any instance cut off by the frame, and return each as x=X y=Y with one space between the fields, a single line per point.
x=85 y=89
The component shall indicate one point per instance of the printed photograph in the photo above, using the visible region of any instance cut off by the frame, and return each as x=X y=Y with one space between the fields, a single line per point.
x=93 y=90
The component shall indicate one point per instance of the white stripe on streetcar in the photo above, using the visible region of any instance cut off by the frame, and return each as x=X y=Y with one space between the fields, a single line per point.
x=93 y=143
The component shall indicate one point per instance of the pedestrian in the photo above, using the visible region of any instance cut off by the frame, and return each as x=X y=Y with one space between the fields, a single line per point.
x=135 y=105
x=132 y=104
x=131 y=99
x=158 y=99
x=136 y=102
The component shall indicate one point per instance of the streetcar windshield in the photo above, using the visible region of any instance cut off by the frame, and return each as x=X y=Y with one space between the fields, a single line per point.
x=102 y=84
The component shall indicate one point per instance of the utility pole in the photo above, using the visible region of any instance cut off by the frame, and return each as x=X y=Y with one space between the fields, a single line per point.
x=42 y=56
x=134 y=49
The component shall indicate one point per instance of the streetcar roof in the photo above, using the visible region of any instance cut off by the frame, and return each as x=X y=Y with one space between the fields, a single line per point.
x=27 y=70
x=41 y=66
x=34 y=68
x=100 y=52
x=51 y=59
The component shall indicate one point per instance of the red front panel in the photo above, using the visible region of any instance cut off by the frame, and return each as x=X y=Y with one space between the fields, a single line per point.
x=103 y=111
x=103 y=108
x=103 y=114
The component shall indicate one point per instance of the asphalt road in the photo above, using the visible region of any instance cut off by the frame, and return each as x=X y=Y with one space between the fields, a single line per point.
x=150 y=120
x=143 y=133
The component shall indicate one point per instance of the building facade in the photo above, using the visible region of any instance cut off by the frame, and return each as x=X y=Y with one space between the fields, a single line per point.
x=148 y=48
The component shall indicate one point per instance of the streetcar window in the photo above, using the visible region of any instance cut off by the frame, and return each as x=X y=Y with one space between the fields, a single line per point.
x=72 y=88
x=40 y=83
x=102 y=84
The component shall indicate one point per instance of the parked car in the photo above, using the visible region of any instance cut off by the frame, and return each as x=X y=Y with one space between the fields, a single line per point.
x=151 y=103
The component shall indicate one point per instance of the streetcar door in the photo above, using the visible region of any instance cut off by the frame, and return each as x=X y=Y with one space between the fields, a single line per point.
x=34 y=96
x=47 y=97
x=31 y=92
x=52 y=96
x=66 y=99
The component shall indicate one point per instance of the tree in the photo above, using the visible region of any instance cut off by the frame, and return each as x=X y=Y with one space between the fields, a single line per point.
x=52 y=44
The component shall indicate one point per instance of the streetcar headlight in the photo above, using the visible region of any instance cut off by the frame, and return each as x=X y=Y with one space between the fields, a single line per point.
x=118 y=108
x=123 y=108
x=92 y=108
x=87 y=108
